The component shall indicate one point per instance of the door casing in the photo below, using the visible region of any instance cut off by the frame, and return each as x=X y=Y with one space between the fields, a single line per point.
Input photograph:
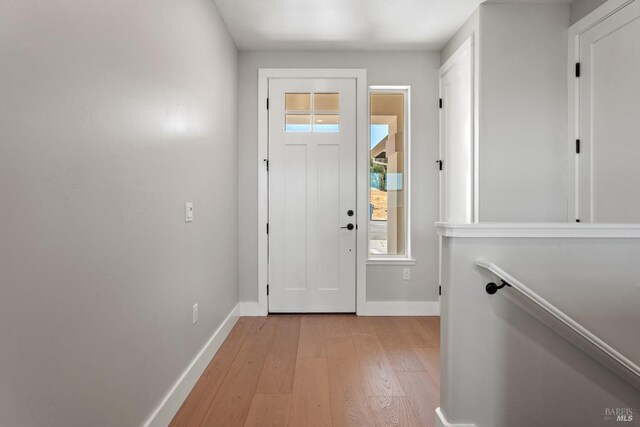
x=575 y=32
x=362 y=170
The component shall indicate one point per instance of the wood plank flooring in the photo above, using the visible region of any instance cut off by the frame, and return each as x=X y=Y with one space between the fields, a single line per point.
x=320 y=370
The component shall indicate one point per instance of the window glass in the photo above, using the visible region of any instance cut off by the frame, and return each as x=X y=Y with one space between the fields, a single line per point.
x=387 y=211
x=326 y=102
x=297 y=122
x=321 y=116
x=326 y=123
x=296 y=102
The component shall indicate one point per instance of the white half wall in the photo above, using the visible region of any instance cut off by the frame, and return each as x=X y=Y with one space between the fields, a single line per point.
x=501 y=366
x=113 y=115
x=417 y=69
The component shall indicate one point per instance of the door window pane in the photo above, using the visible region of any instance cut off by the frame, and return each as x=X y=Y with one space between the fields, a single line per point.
x=326 y=123
x=322 y=116
x=297 y=123
x=326 y=102
x=297 y=102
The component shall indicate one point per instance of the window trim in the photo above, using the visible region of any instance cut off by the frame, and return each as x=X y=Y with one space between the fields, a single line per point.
x=407 y=257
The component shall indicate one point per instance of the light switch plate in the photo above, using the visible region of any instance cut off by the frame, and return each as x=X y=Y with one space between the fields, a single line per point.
x=188 y=212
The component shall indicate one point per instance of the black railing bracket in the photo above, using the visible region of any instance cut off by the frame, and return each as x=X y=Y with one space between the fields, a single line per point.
x=492 y=288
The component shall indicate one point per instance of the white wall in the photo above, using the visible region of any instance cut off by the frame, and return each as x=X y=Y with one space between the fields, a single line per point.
x=523 y=119
x=113 y=115
x=581 y=8
x=501 y=366
x=470 y=27
x=418 y=69
x=521 y=56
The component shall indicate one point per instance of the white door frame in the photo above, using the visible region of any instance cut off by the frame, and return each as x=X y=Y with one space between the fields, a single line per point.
x=362 y=171
x=575 y=31
x=466 y=48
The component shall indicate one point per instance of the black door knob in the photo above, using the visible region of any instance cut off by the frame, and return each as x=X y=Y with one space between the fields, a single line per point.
x=350 y=212
x=349 y=226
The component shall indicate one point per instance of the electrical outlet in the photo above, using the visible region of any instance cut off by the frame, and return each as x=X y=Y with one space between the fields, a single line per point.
x=406 y=274
x=195 y=313
x=188 y=212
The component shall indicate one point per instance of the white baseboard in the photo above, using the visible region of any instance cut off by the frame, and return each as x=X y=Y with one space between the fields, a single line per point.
x=251 y=308
x=371 y=308
x=441 y=421
x=170 y=404
x=400 y=308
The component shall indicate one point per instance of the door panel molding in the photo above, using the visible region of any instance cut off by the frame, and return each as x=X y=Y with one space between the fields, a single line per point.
x=576 y=31
x=312 y=186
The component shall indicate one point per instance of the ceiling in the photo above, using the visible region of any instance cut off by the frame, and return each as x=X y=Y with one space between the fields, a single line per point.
x=347 y=24
x=344 y=24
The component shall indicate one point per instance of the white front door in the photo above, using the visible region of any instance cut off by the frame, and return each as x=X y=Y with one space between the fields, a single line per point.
x=609 y=119
x=312 y=195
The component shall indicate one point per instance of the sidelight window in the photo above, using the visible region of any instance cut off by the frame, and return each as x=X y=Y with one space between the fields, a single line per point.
x=389 y=173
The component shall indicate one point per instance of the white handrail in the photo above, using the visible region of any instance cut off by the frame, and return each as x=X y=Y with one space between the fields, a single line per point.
x=545 y=305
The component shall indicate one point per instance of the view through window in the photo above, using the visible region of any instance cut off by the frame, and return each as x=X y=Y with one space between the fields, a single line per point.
x=387 y=214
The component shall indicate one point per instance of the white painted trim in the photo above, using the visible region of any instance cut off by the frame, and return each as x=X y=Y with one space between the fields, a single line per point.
x=467 y=47
x=251 y=309
x=362 y=168
x=441 y=421
x=604 y=11
x=362 y=193
x=541 y=230
x=575 y=31
x=400 y=308
x=172 y=401
x=391 y=261
x=263 y=192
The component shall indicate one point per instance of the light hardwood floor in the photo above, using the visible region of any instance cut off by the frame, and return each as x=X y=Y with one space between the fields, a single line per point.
x=314 y=370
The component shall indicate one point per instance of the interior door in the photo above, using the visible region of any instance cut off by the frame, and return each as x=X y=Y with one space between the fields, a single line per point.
x=312 y=195
x=609 y=119
x=456 y=140
x=456 y=137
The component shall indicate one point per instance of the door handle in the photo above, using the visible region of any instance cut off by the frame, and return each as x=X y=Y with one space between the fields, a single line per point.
x=349 y=226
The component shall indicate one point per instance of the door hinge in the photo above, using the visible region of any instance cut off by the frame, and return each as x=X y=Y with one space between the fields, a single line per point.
x=439 y=162
x=266 y=162
x=440 y=103
x=577 y=146
x=439 y=290
x=267 y=103
x=267 y=289
x=577 y=69
x=267 y=228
